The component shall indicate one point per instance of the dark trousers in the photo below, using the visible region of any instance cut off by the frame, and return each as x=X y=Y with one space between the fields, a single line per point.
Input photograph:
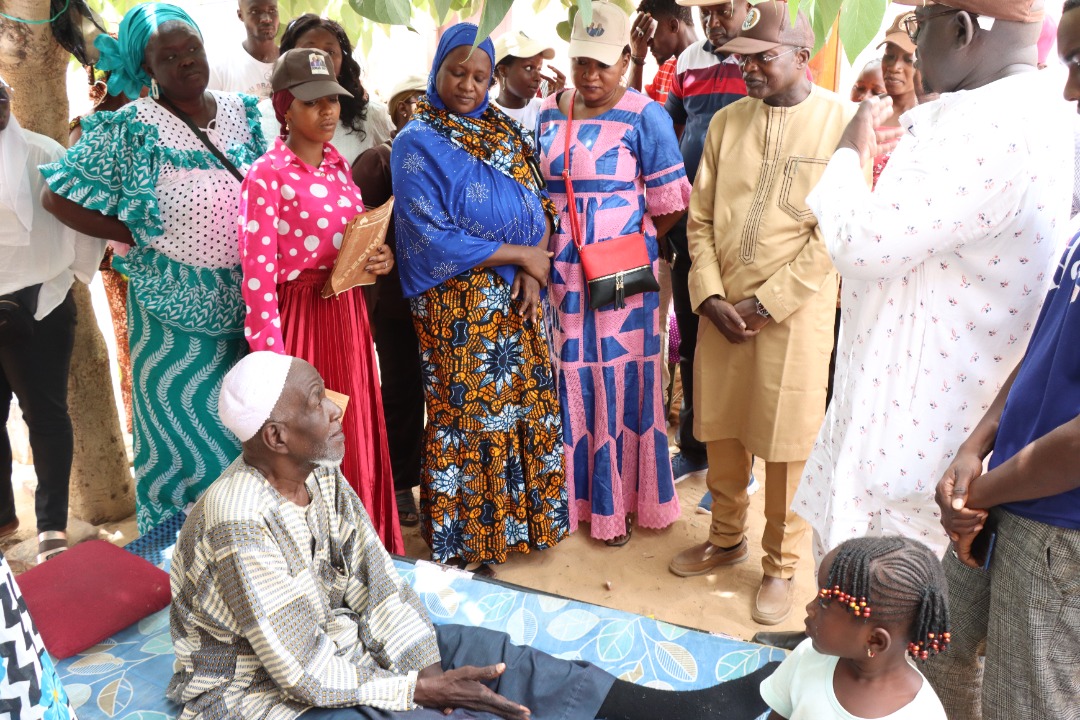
x=687 y=320
x=552 y=689
x=402 y=387
x=36 y=371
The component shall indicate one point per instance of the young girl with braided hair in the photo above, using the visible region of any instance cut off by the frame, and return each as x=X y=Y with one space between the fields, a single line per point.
x=882 y=603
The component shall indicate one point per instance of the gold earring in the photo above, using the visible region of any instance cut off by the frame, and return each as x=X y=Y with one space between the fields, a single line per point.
x=870 y=653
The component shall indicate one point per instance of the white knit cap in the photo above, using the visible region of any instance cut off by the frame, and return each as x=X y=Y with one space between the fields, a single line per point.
x=250 y=391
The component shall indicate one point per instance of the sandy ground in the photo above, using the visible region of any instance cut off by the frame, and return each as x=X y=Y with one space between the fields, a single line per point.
x=580 y=568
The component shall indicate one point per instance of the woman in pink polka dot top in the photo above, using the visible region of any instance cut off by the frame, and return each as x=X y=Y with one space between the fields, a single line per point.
x=295 y=204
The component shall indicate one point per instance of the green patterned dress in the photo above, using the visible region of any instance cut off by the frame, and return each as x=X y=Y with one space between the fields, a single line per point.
x=186 y=316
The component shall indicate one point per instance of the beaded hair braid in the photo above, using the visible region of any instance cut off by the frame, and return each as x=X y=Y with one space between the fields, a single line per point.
x=893 y=578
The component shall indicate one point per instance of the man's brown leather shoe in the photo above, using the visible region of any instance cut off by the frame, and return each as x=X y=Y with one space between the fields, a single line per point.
x=703 y=558
x=774 y=600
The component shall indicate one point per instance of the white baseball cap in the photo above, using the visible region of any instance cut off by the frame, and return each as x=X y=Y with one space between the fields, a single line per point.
x=605 y=37
x=520 y=45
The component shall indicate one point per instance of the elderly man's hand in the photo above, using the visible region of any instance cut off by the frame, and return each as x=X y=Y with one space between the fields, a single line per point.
x=464 y=688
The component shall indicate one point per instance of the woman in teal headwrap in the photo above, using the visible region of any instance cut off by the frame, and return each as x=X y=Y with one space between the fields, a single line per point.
x=142 y=176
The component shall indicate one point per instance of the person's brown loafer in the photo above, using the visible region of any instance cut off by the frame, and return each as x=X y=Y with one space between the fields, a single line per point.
x=705 y=557
x=774 y=600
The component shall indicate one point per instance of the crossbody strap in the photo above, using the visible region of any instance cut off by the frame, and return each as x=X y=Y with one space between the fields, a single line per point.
x=571 y=202
x=203 y=137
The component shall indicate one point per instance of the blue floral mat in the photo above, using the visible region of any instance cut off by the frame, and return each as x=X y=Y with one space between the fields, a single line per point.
x=125 y=677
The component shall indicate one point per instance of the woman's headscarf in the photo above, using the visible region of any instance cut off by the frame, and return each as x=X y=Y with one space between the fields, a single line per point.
x=281 y=102
x=123 y=55
x=486 y=133
x=452 y=39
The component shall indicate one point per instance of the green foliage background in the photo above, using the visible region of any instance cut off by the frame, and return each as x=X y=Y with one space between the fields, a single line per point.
x=860 y=20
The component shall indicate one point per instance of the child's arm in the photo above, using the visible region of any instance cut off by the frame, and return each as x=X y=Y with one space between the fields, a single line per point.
x=775 y=716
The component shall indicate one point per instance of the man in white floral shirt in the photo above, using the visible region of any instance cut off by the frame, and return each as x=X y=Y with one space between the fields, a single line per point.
x=943 y=267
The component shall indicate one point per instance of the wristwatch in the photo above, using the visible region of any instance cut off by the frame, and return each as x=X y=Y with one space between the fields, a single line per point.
x=637 y=60
x=761 y=310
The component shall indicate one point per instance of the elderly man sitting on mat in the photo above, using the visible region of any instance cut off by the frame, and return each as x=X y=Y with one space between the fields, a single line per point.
x=285 y=602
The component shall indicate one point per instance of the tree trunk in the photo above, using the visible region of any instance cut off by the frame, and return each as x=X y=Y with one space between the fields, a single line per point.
x=35 y=66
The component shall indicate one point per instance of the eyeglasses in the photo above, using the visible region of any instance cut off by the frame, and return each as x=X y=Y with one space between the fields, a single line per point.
x=912 y=24
x=763 y=59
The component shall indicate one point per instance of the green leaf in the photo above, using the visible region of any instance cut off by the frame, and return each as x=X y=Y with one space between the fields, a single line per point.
x=860 y=21
x=585 y=8
x=823 y=16
x=442 y=9
x=493 y=14
x=563 y=30
x=353 y=23
x=567 y=26
x=794 y=7
x=387 y=12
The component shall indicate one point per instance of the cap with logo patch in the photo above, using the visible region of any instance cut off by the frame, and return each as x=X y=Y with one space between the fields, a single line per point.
x=307 y=73
x=1024 y=11
x=767 y=26
x=898 y=35
x=605 y=37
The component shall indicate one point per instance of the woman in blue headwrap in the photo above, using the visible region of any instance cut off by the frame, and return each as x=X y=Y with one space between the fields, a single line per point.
x=143 y=176
x=473 y=222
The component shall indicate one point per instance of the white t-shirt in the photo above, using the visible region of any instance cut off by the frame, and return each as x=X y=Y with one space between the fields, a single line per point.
x=527 y=115
x=802 y=689
x=237 y=71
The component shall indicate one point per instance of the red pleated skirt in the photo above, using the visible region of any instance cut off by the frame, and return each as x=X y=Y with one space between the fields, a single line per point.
x=334 y=336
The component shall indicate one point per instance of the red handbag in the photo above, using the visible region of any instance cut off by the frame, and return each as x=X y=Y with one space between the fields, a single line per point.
x=616 y=268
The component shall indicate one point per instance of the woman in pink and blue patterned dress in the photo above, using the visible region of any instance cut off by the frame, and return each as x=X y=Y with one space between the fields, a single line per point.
x=294 y=206
x=628 y=176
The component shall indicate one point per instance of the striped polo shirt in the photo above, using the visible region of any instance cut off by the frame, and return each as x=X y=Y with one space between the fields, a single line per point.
x=704 y=83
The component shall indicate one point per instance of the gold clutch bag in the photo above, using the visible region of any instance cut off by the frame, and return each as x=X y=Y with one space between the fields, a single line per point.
x=364 y=234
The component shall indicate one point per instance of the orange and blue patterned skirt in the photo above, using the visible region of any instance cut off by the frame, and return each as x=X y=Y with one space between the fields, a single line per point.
x=492 y=480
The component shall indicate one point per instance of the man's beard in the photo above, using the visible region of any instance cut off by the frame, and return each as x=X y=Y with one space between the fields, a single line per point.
x=328 y=456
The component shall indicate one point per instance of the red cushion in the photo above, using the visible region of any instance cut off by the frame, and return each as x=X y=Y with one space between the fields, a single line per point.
x=89 y=593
